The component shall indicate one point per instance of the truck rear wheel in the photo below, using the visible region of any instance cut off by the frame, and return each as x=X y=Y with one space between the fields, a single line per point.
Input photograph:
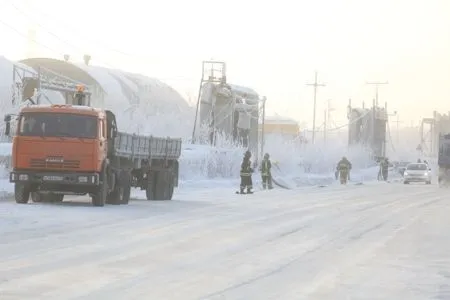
x=21 y=193
x=150 y=188
x=126 y=185
x=164 y=186
x=56 y=198
x=169 y=192
x=122 y=190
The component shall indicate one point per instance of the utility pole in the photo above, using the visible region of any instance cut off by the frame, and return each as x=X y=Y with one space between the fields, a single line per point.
x=374 y=108
x=326 y=118
x=377 y=84
x=325 y=111
x=397 y=121
x=315 y=85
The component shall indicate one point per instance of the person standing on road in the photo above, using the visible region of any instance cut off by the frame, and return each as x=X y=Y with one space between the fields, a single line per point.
x=246 y=174
x=266 y=173
x=344 y=166
x=384 y=168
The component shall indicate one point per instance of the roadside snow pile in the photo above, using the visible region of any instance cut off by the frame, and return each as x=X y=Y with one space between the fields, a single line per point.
x=293 y=166
x=206 y=162
x=293 y=157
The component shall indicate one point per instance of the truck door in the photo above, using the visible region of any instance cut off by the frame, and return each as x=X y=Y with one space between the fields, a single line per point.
x=111 y=131
x=102 y=141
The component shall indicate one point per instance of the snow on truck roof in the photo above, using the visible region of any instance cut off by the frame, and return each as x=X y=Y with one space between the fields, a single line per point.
x=62 y=108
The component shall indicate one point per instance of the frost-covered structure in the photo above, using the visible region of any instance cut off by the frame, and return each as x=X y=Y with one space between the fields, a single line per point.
x=139 y=102
x=229 y=110
x=430 y=131
x=367 y=127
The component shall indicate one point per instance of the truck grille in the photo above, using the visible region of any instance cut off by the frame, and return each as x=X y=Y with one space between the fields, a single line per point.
x=42 y=163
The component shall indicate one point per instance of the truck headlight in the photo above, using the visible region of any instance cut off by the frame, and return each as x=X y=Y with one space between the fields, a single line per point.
x=405 y=174
x=82 y=179
x=23 y=177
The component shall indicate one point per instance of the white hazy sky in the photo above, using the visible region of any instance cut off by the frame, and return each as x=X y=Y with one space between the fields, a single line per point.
x=271 y=46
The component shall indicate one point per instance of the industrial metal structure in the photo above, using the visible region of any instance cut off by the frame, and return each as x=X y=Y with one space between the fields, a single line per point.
x=227 y=109
x=367 y=126
x=430 y=131
x=31 y=84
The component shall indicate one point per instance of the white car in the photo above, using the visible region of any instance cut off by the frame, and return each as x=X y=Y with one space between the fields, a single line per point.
x=417 y=172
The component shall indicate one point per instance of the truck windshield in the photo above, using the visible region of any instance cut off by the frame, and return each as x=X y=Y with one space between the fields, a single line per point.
x=58 y=125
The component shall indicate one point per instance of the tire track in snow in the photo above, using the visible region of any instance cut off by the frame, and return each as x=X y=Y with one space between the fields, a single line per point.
x=304 y=287
x=243 y=221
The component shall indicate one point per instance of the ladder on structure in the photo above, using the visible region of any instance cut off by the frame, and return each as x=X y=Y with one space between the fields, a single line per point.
x=212 y=72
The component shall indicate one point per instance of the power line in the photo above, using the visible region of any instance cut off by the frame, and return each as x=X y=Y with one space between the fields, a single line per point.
x=55 y=35
x=70 y=44
x=27 y=38
x=315 y=85
x=76 y=30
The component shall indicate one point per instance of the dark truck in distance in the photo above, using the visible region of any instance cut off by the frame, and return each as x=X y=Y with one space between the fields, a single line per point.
x=444 y=160
x=77 y=150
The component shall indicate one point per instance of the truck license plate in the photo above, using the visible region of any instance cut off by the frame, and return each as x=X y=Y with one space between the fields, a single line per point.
x=53 y=178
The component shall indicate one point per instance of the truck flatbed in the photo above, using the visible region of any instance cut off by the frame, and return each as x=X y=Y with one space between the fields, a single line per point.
x=147 y=147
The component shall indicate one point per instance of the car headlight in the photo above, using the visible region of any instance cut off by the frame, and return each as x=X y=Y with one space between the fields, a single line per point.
x=405 y=173
x=425 y=174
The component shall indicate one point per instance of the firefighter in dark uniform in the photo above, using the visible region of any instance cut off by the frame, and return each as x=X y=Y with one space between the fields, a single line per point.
x=246 y=174
x=266 y=173
x=384 y=168
x=344 y=166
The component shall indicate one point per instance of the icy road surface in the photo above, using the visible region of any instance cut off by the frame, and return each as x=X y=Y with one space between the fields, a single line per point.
x=379 y=241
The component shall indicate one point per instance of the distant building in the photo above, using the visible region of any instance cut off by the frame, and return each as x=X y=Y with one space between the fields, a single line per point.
x=281 y=126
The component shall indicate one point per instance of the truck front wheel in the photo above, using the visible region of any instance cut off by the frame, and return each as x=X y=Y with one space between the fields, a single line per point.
x=21 y=193
x=99 y=197
x=37 y=197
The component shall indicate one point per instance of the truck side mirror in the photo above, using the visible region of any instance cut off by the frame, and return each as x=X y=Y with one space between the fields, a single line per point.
x=112 y=133
x=7 y=125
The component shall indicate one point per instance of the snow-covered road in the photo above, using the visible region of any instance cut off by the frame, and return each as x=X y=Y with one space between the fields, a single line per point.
x=376 y=241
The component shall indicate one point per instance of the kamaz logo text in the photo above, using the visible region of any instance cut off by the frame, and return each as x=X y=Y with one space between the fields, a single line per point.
x=54 y=160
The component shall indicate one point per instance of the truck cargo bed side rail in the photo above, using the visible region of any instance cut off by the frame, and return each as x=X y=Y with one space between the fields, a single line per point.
x=146 y=147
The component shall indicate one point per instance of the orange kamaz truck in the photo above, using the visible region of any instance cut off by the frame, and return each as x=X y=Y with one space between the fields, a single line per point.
x=77 y=150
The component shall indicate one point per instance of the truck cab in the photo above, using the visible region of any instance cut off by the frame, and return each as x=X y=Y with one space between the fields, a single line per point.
x=60 y=149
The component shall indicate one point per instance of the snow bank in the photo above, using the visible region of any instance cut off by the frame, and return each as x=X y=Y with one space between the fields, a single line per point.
x=204 y=166
x=294 y=157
